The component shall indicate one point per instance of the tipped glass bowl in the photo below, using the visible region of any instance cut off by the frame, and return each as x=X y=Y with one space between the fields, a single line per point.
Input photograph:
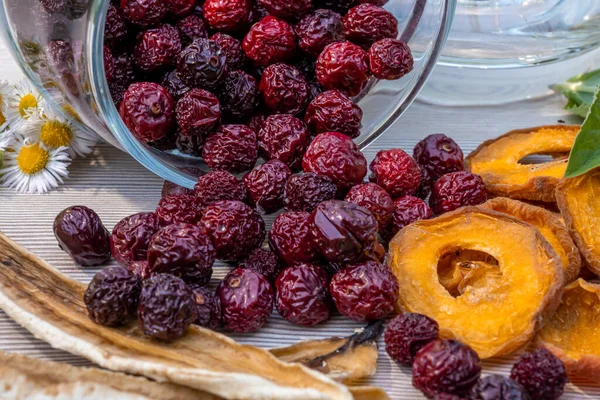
x=77 y=86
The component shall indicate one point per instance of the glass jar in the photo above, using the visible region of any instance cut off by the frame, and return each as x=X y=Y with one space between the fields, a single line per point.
x=70 y=72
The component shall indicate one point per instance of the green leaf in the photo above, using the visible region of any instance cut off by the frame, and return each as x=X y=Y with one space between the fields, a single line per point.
x=585 y=154
x=579 y=91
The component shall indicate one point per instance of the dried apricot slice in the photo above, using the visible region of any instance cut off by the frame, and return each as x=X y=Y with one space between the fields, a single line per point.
x=498 y=161
x=500 y=308
x=572 y=333
x=549 y=225
x=579 y=203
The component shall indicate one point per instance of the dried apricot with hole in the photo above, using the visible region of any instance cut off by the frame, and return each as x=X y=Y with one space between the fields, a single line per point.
x=494 y=315
x=500 y=161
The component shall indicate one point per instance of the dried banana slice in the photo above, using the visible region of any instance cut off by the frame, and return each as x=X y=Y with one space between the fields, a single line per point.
x=572 y=333
x=549 y=225
x=498 y=161
x=579 y=203
x=497 y=310
x=50 y=306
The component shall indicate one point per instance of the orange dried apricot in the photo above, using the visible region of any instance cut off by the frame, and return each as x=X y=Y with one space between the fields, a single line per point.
x=516 y=285
x=498 y=161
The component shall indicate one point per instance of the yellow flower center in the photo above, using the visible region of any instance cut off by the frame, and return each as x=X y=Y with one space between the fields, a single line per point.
x=71 y=112
x=2 y=118
x=55 y=134
x=28 y=101
x=32 y=159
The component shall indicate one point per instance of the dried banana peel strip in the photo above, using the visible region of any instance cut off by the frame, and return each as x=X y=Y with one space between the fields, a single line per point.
x=50 y=306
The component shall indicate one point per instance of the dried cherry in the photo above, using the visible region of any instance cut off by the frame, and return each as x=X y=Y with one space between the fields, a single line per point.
x=457 y=189
x=390 y=59
x=115 y=28
x=157 y=48
x=226 y=15
x=332 y=111
x=140 y=268
x=189 y=144
x=406 y=334
x=202 y=64
x=367 y=23
x=373 y=198
x=396 y=172
x=340 y=6
x=498 y=387
x=270 y=41
x=285 y=138
x=232 y=148
x=198 y=112
x=179 y=208
x=191 y=28
x=406 y=210
x=238 y=95
x=287 y=9
x=236 y=58
x=343 y=66
x=169 y=188
x=181 y=8
x=265 y=185
x=174 y=85
x=219 y=185
x=541 y=374
x=131 y=236
x=263 y=262
x=144 y=13
x=438 y=155
x=208 y=306
x=291 y=237
x=284 y=89
x=319 y=29
x=304 y=192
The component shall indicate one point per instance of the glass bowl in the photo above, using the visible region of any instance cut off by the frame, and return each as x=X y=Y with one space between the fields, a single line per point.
x=73 y=79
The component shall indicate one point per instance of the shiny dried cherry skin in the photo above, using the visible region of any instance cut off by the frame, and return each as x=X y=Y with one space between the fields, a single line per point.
x=232 y=148
x=390 y=59
x=541 y=374
x=373 y=198
x=236 y=58
x=304 y=192
x=302 y=295
x=291 y=237
x=263 y=262
x=284 y=89
x=367 y=23
x=238 y=95
x=167 y=307
x=144 y=13
x=367 y=291
x=140 y=268
x=219 y=185
x=498 y=387
x=191 y=28
x=266 y=184
x=285 y=138
x=112 y=296
x=81 y=234
x=202 y=64
x=183 y=250
x=287 y=9
x=198 y=112
x=343 y=232
x=226 y=15
x=115 y=28
x=396 y=172
x=208 y=306
x=109 y=64
x=246 y=300
x=438 y=155
x=174 y=85
x=336 y=156
x=406 y=334
x=148 y=110
x=157 y=48
x=319 y=29
x=457 y=189
x=332 y=111
x=406 y=210
x=179 y=208
x=445 y=366
x=270 y=41
x=181 y=8
x=130 y=237
x=343 y=66
x=235 y=229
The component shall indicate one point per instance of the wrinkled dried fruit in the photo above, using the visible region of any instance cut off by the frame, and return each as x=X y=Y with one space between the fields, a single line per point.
x=336 y=156
x=291 y=237
x=235 y=229
x=549 y=225
x=246 y=300
x=343 y=232
x=373 y=198
x=457 y=189
x=174 y=85
x=390 y=59
x=302 y=295
x=438 y=155
x=367 y=23
x=131 y=236
x=364 y=292
x=287 y=9
x=157 y=48
x=284 y=89
x=144 y=13
x=580 y=207
x=396 y=172
x=498 y=387
x=319 y=29
x=266 y=184
x=232 y=148
x=541 y=374
x=140 y=268
x=263 y=262
x=571 y=332
x=343 y=66
x=183 y=250
x=198 y=112
x=191 y=28
x=80 y=232
x=499 y=161
x=270 y=41
x=179 y=208
x=530 y=278
x=109 y=64
x=112 y=296
x=332 y=111
x=208 y=307
x=167 y=307
x=181 y=8
x=232 y=47
x=406 y=334
x=115 y=28
x=406 y=210
x=285 y=138
x=202 y=64
x=304 y=192
x=219 y=185
x=148 y=110
x=238 y=95
x=226 y=15
x=446 y=366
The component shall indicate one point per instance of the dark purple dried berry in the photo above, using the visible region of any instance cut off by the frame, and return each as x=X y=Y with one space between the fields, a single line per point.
x=438 y=155
x=498 y=387
x=306 y=191
x=219 y=185
x=238 y=95
x=236 y=58
x=191 y=28
x=202 y=64
x=291 y=238
x=174 y=85
x=141 y=269
x=406 y=334
x=264 y=262
x=208 y=307
x=179 y=208
x=541 y=374
x=266 y=184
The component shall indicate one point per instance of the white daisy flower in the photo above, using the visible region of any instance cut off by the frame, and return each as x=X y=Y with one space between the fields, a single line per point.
x=32 y=168
x=54 y=131
x=23 y=100
x=4 y=92
x=6 y=138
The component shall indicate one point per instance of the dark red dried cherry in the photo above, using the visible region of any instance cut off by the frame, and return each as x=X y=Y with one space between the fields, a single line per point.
x=541 y=374
x=406 y=334
x=115 y=28
x=238 y=95
x=319 y=29
x=208 y=307
x=407 y=209
x=202 y=64
x=131 y=236
x=157 y=48
x=438 y=155
x=179 y=208
x=264 y=262
x=373 y=198
x=219 y=185
x=367 y=23
x=191 y=28
x=291 y=237
x=396 y=172
x=332 y=111
x=390 y=59
x=236 y=58
x=174 y=85
x=284 y=89
x=343 y=66
x=140 y=268
x=287 y=9
x=232 y=148
x=226 y=15
x=181 y=8
x=265 y=185
x=270 y=41
x=198 y=112
x=304 y=192
x=144 y=13
x=285 y=138
x=457 y=189
x=498 y=387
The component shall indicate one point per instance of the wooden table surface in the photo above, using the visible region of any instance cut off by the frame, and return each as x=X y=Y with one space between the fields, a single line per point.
x=115 y=185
